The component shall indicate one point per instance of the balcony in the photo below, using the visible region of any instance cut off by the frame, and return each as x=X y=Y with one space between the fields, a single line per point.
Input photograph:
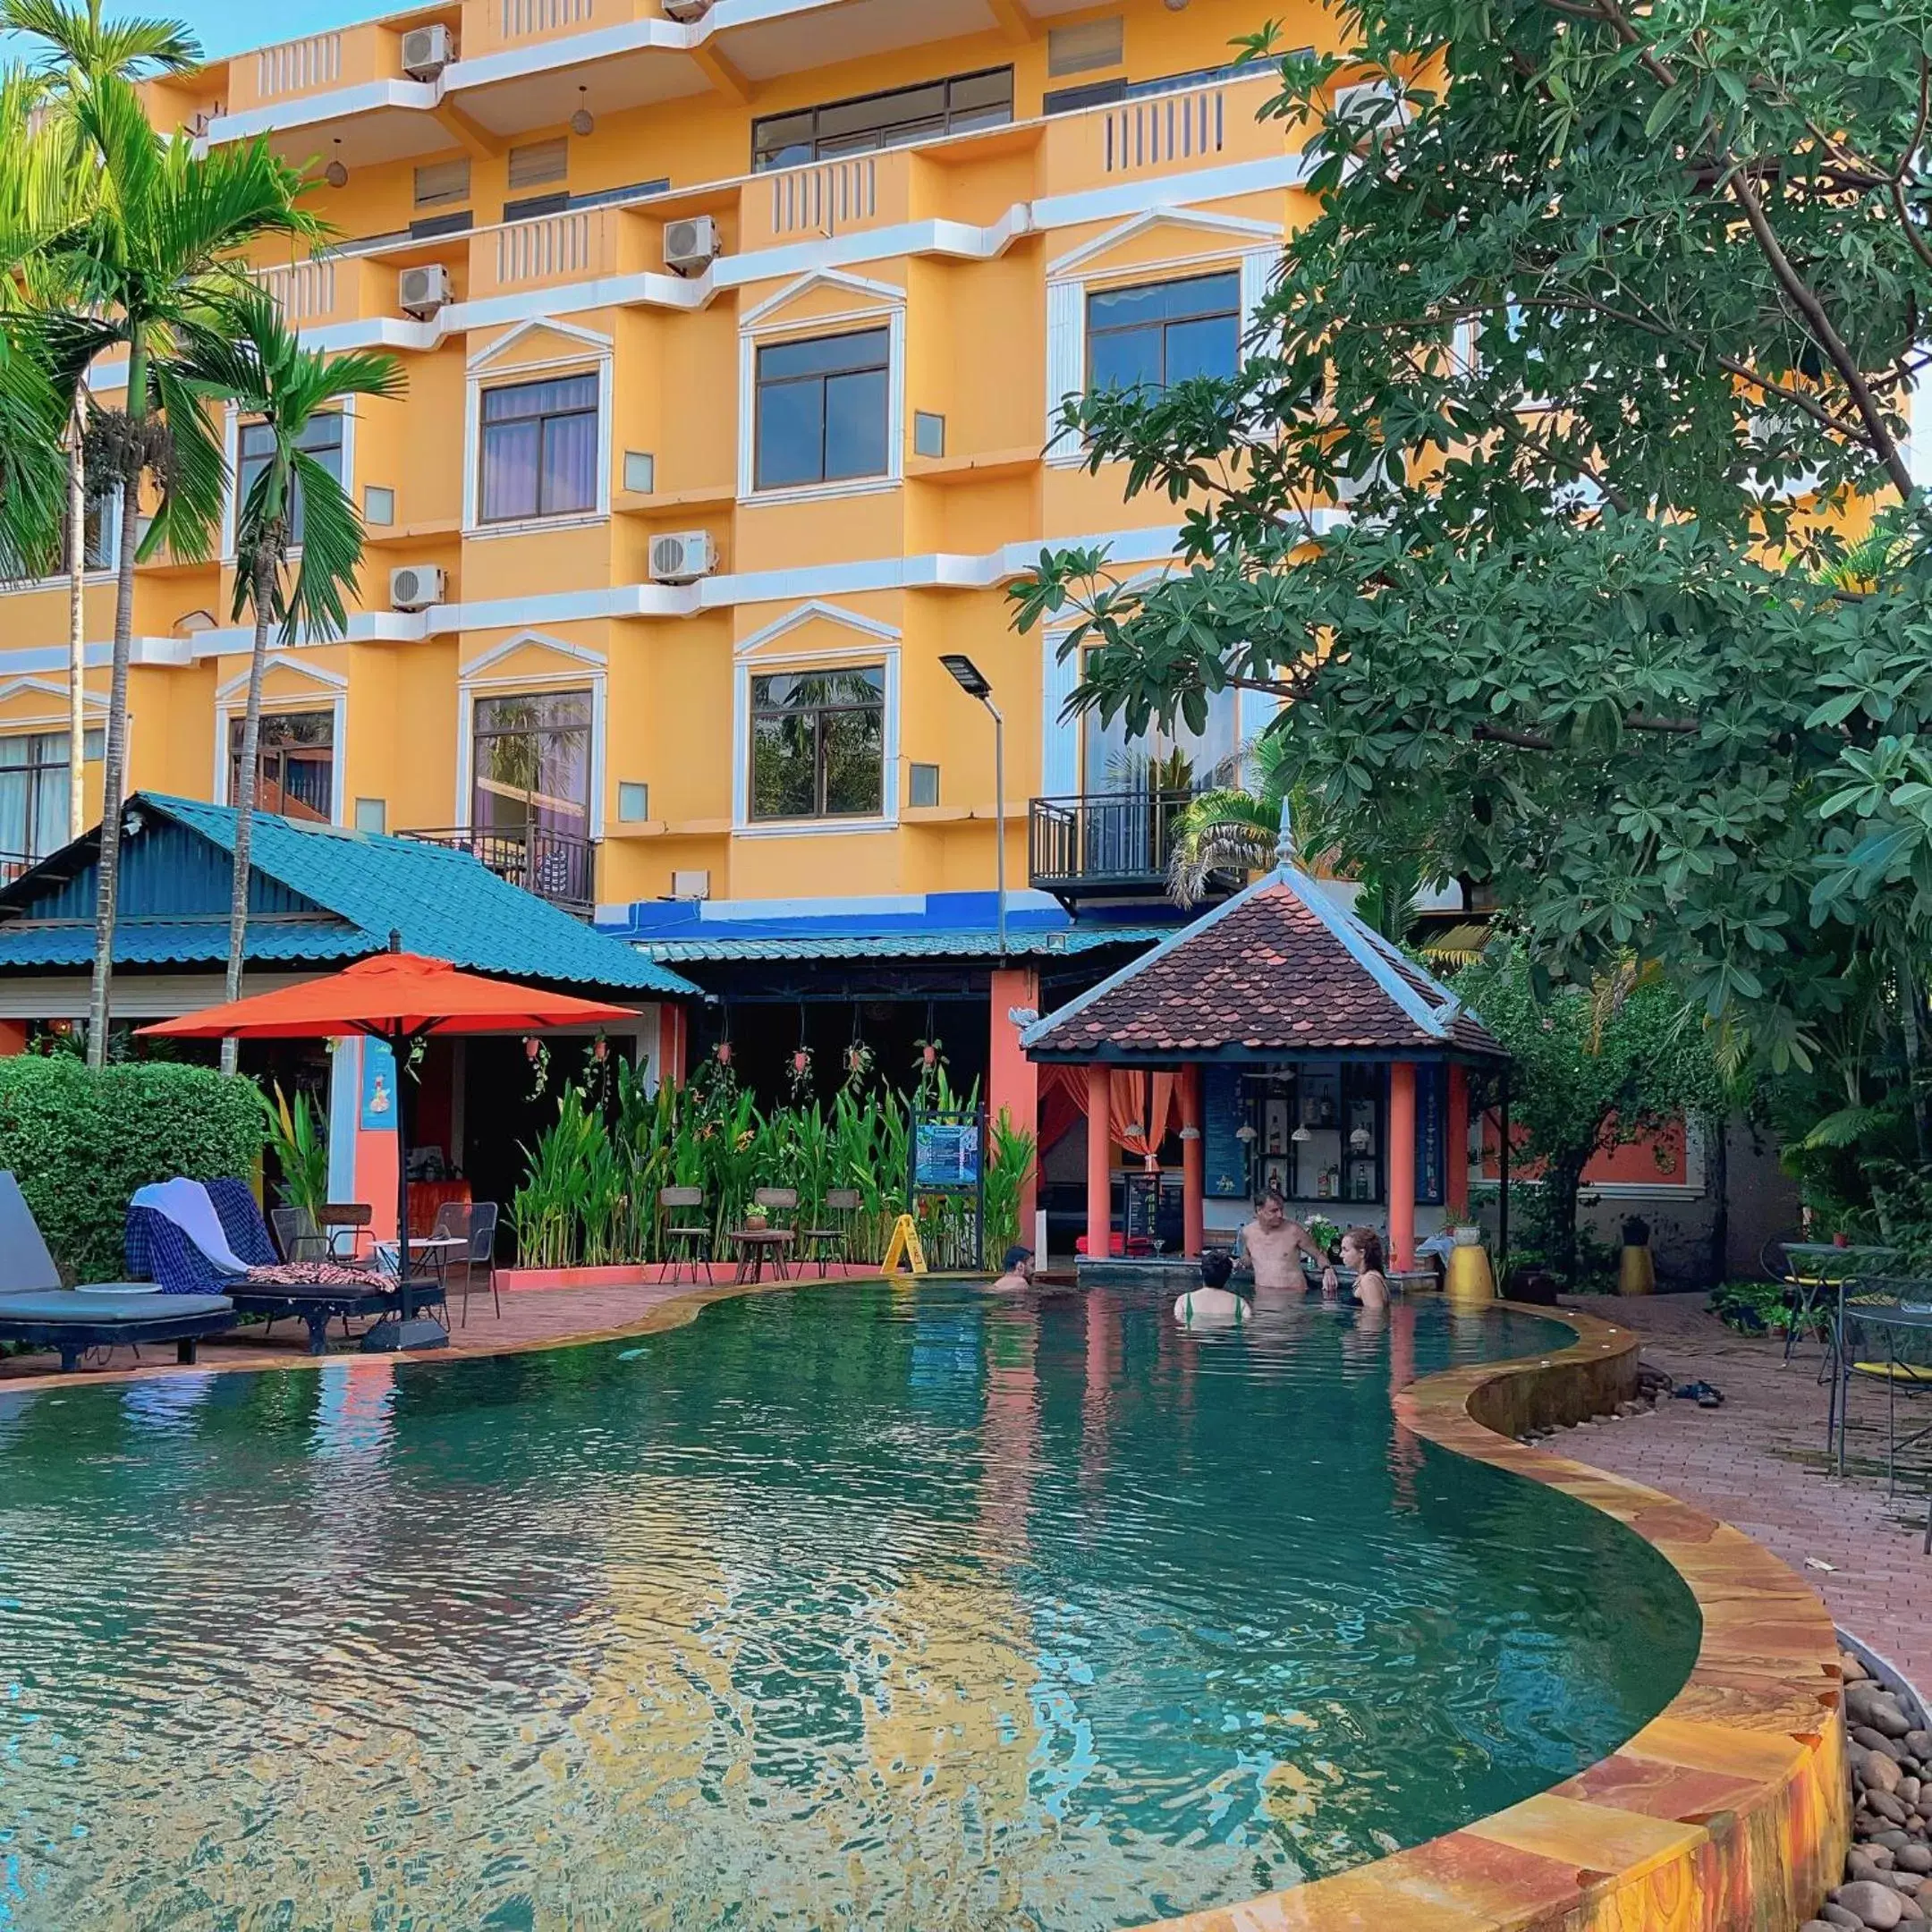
x=552 y=866
x=827 y=198
x=317 y=63
x=574 y=245
x=14 y=865
x=1209 y=126
x=1108 y=845
x=327 y=289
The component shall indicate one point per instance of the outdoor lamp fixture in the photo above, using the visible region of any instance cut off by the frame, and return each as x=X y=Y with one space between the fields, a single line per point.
x=583 y=121
x=336 y=174
x=971 y=680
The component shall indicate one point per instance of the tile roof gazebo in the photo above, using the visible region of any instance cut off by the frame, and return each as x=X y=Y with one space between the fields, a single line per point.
x=1281 y=977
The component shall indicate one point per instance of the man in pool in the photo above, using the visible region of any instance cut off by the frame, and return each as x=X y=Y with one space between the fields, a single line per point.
x=1018 y=1265
x=1212 y=1305
x=1275 y=1245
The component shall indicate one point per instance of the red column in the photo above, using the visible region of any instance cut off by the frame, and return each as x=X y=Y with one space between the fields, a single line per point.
x=671 y=1071
x=1099 y=1167
x=1456 y=1146
x=13 y=1038
x=1012 y=1081
x=1401 y=1164
x=1193 y=1164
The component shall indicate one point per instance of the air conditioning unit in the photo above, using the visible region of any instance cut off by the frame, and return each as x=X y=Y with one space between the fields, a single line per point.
x=426 y=51
x=688 y=11
x=682 y=558
x=416 y=586
x=421 y=291
x=690 y=246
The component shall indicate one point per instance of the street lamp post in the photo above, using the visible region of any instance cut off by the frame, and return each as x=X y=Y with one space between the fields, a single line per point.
x=972 y=680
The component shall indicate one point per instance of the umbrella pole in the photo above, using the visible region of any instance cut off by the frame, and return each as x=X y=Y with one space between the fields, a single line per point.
x=399 y=1046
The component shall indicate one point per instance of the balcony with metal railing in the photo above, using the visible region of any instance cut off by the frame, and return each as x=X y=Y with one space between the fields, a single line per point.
x=1107 y=845
x=15 y=865
x=555 y=867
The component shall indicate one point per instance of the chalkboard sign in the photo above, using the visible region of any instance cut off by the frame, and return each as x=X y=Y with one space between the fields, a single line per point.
x=1224 y=1108
x=1432 y=1102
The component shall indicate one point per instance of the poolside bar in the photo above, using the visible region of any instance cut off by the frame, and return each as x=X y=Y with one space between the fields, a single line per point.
x=1297 y=1048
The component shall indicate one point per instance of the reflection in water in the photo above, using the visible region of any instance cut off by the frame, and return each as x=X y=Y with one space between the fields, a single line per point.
x=840 y=1607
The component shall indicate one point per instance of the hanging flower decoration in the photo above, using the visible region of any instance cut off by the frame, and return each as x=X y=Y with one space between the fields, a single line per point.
x=857 y=1060
x=801 y=1074
x=600 y=1051
x=724 y=1052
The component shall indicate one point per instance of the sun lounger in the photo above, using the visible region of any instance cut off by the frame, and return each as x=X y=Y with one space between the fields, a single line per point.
x=35 y=1310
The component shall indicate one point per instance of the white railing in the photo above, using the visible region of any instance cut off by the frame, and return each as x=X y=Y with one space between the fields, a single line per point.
x=296 y=66
x=1165 y=129
x=523 y=17
x=826 y=198
x=549 y=248
x=303 y=290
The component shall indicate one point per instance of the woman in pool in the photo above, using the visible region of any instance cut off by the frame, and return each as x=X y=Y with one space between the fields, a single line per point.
x=1361 y=1249
x=1211 y=1305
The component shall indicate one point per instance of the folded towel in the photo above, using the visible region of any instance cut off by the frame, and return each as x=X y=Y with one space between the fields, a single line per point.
x=187 y=1205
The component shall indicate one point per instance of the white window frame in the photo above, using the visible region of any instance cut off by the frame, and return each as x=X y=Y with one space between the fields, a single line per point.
x=876 y=303
x=231 y=459
x=332 y=695
x=95 y=573
x=579 y=668
x=594 y=357
x=870 y=643
x=1252 y=247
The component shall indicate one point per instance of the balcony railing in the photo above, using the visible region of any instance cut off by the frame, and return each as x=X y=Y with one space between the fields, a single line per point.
x=553 y=866
x=13 y=865
x=1103 y=845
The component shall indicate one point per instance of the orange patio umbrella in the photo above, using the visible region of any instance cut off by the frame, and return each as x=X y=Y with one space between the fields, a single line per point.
x=399 y=998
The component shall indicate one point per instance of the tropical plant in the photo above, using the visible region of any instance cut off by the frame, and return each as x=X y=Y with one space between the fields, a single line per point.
x=300 y=1144
x=150 y=258
x=1009 y=1168
x=246 y=354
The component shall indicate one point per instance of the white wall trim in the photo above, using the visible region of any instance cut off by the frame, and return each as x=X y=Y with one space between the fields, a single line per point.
x=869 y=627
x=582 y=667
x=231 y=702
x=596 y=358
x=876 y=649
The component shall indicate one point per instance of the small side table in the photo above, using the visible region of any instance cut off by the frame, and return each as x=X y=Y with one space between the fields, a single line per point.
x=754 y=1244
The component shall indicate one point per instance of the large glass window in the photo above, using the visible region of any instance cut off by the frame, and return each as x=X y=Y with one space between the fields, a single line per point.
x=33 y=792
x=532 y=764
x=540 y=449
x=294 y=764
x=823 y=409
x=322 y=440
x=894 y=120
x=1162 y=333
x=818 y=744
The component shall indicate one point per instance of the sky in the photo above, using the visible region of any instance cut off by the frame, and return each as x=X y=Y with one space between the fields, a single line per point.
x=232 y=26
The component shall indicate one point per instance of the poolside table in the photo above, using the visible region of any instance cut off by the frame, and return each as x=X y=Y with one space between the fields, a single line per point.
x=754 y=1244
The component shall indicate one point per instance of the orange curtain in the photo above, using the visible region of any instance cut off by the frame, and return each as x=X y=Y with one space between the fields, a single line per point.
x=1063 y=1101
x=1143 y=1101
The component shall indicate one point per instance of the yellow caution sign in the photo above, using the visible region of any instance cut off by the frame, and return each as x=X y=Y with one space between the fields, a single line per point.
x=905 y=1246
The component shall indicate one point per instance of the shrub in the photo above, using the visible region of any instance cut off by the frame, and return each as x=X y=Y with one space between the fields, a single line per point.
x=79 y=1143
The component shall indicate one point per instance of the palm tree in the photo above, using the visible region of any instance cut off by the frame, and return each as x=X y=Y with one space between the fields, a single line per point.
x=75 y=46
x=253 y=359
x=154 y=255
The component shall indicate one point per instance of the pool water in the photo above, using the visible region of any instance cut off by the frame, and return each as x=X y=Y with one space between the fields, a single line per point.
x=843 y=1606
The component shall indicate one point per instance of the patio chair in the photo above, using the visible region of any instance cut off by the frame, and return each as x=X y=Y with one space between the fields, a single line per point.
x=781 y=1216
x=346 y=1220
x=1882 y=1336
x=685 y=1242
x=297 y=1234
x=475 y=1224
x=832 y=1242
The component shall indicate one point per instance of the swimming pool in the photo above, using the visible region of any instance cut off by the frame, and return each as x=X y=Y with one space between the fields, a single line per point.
x=841 y=1606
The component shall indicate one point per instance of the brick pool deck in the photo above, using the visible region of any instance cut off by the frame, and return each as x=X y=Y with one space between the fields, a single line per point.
x=1759 y=1463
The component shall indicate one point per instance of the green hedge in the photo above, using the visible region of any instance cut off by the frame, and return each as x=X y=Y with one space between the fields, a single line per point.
x=79 y=1143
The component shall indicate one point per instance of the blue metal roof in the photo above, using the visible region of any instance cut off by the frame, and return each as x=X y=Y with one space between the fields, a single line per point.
x=902 y=946
x=341 y=894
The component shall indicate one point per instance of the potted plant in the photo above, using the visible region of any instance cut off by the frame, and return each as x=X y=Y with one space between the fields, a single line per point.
x=757 y=1216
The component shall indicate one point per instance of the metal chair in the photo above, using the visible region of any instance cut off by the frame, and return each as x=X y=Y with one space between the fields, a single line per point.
x=297 y=1235
x=1883 y=1335
x=687 y=1241
x=338 y=1219
x=832 y=1242
x=474 y=1224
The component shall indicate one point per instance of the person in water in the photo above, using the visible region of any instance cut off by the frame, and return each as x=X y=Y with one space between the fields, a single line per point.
x=1211 y=1302
x=1361 y=1249
x=1018 y=1265
x=1274 y=1246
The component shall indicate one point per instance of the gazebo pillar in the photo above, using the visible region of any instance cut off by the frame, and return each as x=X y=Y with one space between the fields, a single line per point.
x=1100 y=1166
x=1193 y=1164
x=1402 y=1169
x=1455 y=1152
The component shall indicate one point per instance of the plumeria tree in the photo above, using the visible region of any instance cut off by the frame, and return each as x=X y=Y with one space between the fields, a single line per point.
x=297 y=538
x=154 y=257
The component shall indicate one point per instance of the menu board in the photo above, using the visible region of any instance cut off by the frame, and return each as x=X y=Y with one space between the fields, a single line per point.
x=1224 y=1112
x=1432 y=1095
x=945 y=1155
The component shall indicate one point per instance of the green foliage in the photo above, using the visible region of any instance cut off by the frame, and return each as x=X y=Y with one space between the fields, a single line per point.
x=296 y=1134
x=1756 y=1307
x=1009 y=1168
x=80 y=1142
x=1593 y=1069
x=1609 y=658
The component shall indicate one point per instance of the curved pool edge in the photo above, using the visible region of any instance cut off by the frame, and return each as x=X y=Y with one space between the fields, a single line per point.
x=1727 y=1812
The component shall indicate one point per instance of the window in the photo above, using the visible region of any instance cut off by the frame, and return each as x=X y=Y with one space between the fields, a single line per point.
x=1158 y=335
x=442 y=183
x=294 y=764
x=894 y=120
x=540 y=449
x=1111 y=93
x=1080 y=48
x=101 y=521
x=539 y=164
x=824 y=409
x=531 y=766
x=818 y=744
x=33 y=792
x=322 y=440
